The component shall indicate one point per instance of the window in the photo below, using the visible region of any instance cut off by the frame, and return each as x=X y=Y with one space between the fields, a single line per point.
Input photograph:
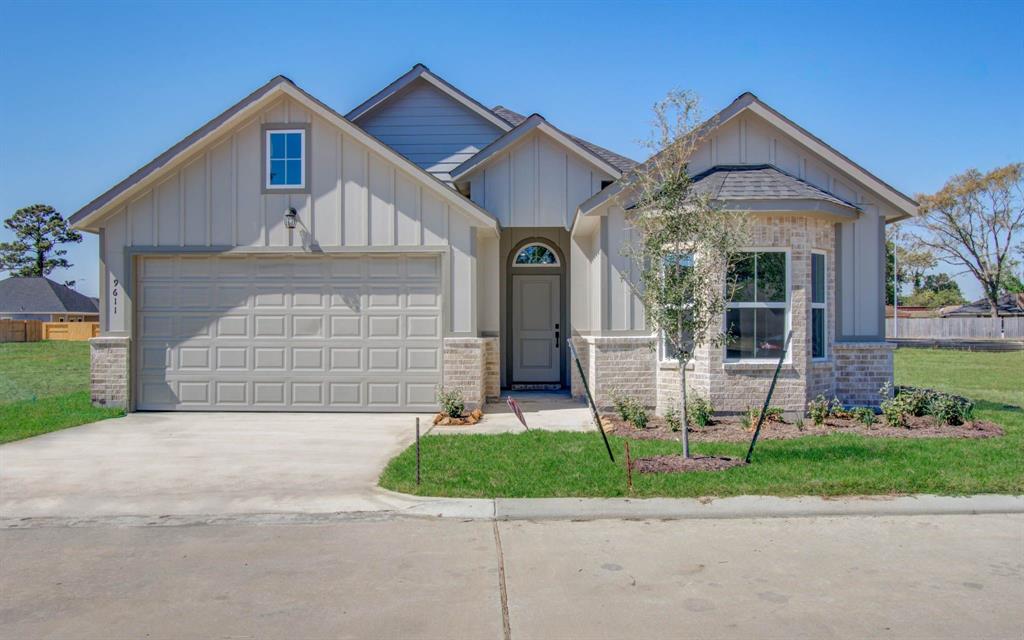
x=668 y=348
x=756 y=316
x=286 y=166
x=536 y=255
x=818 y=289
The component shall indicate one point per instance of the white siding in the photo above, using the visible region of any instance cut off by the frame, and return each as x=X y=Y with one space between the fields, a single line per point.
x=357 y=199
x=535 y=183
x=620 y=308
x=430 y=128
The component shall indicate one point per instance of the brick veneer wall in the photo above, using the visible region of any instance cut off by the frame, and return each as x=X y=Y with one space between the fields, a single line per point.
x=861 y=370
x=109 y=371
x=466 y=368
x=624 y=365
x=492 y=368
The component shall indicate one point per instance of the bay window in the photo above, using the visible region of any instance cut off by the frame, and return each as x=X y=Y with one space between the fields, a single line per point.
x=757 y=314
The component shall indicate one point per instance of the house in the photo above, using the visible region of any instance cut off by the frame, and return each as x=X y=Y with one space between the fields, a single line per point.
x=287 y=257
x=39 y=298
x=1010 y=304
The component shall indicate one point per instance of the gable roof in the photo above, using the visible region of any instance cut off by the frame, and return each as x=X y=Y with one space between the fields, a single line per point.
x=535 y=121
x=279 y=85
x=42 y=295
x=421 y=72
x=620 y=162
x=747 y=101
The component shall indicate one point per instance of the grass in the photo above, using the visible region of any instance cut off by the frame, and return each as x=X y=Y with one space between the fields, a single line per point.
x=44 y=386
x=551 y=464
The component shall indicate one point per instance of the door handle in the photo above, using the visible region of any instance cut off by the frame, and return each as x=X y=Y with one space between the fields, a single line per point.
x=556 y=339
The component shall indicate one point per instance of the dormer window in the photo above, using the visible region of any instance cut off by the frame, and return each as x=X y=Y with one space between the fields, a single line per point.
x=285 y=158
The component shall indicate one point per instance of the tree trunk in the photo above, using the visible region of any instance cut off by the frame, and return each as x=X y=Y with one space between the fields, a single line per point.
x=684 y=434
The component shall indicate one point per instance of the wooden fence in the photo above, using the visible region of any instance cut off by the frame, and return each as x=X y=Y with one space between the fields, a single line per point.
x=1007 y=327
x=70 y=330
x=21 y=330
x=36 y=330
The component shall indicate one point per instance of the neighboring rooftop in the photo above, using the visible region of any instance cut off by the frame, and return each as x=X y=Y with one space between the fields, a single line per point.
x=42 y=295
x=1010 y=304
x=620 y=162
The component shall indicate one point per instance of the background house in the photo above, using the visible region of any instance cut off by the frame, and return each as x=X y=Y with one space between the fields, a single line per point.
x=43 y=299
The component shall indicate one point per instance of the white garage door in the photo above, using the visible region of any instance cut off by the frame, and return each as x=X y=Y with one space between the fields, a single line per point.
x=347 y=333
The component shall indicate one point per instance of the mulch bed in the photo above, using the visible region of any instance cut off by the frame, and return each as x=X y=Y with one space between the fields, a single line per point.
x=466 y=419
x=679 y=464
x=732 y=430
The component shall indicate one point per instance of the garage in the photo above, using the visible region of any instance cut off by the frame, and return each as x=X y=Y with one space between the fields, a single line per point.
x=342 y=332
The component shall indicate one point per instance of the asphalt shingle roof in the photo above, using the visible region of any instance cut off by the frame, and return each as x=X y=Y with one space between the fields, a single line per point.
x=759 y=182
x=620 y=162
x=42 y=295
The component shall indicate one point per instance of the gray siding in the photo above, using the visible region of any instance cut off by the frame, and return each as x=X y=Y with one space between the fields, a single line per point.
x=430 y=128
x=357 y=200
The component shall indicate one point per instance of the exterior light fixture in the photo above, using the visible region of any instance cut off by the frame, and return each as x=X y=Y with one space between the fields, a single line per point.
x=290 y=214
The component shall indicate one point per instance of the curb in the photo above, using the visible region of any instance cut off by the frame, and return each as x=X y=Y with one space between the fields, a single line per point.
x=576 y=509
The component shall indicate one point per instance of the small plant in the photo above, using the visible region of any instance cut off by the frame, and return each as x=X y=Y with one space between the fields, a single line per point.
x=672 y=419
x=818 y=410
x=950 y=409
x=451 y=402
x=799 y=424
x=915 y=401
x=774 y=414
x=894 y=409
x=700 y=412
x=865 y=415
x=836 y=410
x=630 y=410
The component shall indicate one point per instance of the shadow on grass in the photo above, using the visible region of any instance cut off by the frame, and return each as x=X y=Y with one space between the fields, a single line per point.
x=988 y=405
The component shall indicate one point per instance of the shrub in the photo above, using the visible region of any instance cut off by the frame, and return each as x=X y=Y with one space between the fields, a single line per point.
x=836 y=410
x=894 y=409
x=950 y=409
x=799 y=424
x=865 y=415
x=672 y=419
x=700 y=411
x=451 y=402
x=630 y=410
x=818 y=410
x=773 y=414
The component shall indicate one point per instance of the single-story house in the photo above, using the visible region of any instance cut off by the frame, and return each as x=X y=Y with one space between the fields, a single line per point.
x=1010 y=304
x=39 y=298
x=288 y=257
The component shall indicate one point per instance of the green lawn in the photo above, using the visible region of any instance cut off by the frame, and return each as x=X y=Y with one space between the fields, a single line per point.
x=546 y=464
x=44 y=386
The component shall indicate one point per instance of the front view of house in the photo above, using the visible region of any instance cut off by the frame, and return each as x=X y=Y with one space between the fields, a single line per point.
x=285 y=257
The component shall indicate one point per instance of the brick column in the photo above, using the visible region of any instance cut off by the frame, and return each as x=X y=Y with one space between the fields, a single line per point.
x=110 y=371
x=464 y=368
x=861 y=368
x=617 y=365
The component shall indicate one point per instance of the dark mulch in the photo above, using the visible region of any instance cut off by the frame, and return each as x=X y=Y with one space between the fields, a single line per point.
x=732 y=430
x=679 y=464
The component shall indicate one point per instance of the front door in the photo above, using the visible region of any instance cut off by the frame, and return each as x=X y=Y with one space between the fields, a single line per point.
x=535 y=328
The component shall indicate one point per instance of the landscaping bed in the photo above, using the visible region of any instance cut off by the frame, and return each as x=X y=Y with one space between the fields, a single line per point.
x=734 y=430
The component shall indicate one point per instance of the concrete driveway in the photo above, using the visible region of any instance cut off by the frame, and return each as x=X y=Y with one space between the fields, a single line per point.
x=204 y=463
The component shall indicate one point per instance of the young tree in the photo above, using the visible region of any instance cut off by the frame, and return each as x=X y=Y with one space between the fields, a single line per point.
x=684 y=241
x=972 y=222
x=39 y=230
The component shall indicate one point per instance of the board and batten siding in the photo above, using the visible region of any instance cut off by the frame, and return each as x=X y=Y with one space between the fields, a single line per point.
x=430 y=128
x=535 y=183
x=357 y=199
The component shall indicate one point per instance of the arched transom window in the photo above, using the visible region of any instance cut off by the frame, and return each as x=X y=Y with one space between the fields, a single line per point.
x=536 y=255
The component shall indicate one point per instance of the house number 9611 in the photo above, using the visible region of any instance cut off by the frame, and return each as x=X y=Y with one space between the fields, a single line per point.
x=114 y=294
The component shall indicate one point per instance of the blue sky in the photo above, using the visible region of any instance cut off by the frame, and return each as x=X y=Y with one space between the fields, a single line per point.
x=914 y=92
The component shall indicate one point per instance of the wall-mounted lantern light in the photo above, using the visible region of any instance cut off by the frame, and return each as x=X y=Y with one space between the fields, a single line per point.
x=290 y=215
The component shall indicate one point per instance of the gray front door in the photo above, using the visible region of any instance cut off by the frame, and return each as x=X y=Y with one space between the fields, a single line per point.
x=535 y=330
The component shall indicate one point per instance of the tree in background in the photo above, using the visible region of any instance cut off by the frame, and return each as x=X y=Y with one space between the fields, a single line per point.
x=39 y=230
x=911 y=262
x=936 y=290
x=971 y=223
x=683 y=243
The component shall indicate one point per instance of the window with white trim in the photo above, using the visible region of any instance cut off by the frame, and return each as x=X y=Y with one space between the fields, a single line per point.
x=286 y=161
x=668 y=348
x=536 y=255
x=819 y=331
x=757 y=315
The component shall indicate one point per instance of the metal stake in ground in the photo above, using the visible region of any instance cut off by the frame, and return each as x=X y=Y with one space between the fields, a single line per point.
x=417 y=452
x=768 y=399
x=590 y=399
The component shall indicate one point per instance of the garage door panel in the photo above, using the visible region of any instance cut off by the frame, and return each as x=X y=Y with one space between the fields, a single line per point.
x=264 y=333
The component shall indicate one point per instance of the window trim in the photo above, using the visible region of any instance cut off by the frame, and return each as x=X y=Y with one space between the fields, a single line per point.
x=291 y=127
x=787 y=305
x=536 y=265
x=662 y=341
x=823 y=305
